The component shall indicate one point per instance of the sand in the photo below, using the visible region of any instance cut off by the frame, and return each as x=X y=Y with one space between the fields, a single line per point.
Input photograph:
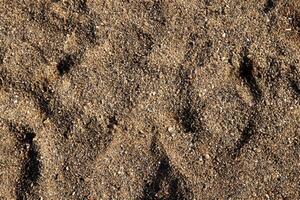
x=152 y=99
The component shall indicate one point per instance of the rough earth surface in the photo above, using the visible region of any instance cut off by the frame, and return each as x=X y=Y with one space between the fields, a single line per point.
x=149 y=100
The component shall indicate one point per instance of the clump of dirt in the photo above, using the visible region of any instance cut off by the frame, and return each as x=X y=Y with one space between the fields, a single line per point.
x=149 y=99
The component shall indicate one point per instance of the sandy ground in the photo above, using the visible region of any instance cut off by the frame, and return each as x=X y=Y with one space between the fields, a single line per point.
x=151 y=99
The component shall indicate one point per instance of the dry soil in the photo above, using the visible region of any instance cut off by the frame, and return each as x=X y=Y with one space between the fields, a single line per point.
x=150 y=99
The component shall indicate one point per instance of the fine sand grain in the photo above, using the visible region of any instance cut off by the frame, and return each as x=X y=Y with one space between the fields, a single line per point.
x=149 y=99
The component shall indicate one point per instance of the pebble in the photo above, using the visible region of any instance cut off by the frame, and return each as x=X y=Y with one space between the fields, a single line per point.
x=200 y=158
x=170 y=129
x=207 y=156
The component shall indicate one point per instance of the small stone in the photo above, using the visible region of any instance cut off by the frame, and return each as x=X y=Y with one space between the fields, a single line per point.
x=170 y=129
x=207 y=156
x=200 y=158
x=152 y=93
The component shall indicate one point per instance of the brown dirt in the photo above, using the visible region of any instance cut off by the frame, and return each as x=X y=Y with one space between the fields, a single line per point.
x=152 y=99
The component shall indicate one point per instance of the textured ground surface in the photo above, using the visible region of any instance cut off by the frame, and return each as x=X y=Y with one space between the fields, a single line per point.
x=164 y=99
